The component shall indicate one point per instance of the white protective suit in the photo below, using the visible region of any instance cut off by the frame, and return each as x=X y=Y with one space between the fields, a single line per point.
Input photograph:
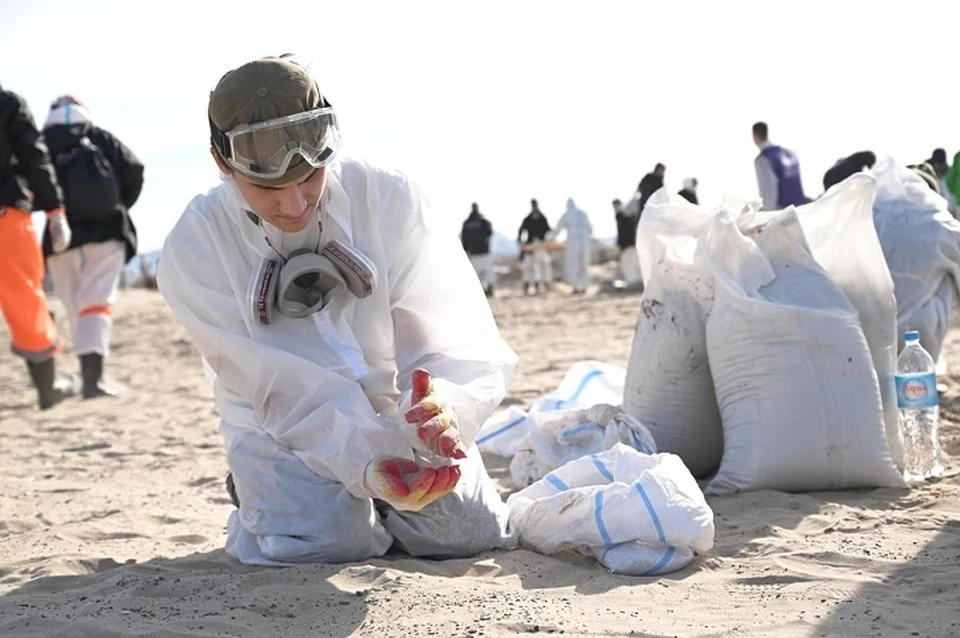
x=306 y=404
x=86 y=279
x=485 y=267
x=537 y=267
x=576 y=253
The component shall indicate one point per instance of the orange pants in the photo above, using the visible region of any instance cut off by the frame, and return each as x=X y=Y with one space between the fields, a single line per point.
x=22 y=300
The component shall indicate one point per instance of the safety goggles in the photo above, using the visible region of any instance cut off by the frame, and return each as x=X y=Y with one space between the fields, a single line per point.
x=264 y=150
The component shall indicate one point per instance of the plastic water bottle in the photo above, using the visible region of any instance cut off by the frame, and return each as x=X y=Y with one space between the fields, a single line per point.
x=919 y=410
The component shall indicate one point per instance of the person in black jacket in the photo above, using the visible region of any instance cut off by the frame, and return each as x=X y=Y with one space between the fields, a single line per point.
x=627 y=221
x=27 y=182
x=536 y=262
x=101 y=180
x=689 y=190
x=848 y=166
x=650 y=184
x=475 y=237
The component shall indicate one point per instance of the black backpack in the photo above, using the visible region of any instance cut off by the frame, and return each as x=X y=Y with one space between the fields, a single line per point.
x=90 y=188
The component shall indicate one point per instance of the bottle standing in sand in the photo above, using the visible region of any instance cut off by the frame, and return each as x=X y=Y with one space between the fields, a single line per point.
x=919 y=411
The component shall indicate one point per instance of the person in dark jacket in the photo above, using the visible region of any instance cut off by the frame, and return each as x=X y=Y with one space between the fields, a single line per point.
x=627 y=242
x=689 y=190
x=626 y=226
x=938 y=160
x=536 y=262
x=101 y=180
x=848 y=166
x=27 y=182
x=475 y=237
x=650 y=184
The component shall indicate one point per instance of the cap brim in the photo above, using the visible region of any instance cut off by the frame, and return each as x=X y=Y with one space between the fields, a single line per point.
x=298 y=170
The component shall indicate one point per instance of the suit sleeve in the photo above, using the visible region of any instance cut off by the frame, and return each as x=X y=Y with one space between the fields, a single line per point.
x=767 y=183
x=33 y=159
x=128 y=168
x=442 y=321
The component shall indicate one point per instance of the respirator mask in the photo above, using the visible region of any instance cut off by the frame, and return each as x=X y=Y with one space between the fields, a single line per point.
x=305 y=281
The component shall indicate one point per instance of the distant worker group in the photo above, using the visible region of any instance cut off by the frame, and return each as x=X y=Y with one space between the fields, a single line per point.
x=779 y=184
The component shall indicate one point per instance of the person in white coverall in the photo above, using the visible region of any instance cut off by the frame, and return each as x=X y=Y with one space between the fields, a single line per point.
x=101 y=180
x=576 y=251
x=353 y=354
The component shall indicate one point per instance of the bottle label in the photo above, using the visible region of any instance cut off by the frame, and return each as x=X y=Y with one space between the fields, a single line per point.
x=917 y=390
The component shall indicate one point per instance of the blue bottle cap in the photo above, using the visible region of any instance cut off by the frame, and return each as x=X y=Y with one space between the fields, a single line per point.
x=913 y=335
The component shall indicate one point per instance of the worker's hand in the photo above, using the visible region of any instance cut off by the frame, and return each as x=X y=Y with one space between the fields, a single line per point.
x=60 y=234
x=434 y=417
x=406 y=486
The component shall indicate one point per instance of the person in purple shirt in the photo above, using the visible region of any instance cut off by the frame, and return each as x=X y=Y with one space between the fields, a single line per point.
x=778 y=172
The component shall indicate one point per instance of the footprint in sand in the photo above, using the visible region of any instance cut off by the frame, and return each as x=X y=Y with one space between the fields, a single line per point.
x=59 y=429
x=15 y=527
x=771 y=581
x=94 y=516
x=89 y=448
x=120 y=455
x=188 y=539
x=204 y=480
x=109 y=536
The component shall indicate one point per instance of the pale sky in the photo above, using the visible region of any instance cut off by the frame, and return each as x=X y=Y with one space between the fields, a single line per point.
x=497 y=102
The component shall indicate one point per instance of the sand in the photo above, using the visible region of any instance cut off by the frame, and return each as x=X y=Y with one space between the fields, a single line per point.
x=112 y=518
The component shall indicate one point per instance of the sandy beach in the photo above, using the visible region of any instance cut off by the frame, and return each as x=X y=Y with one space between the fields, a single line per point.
x=112 y=518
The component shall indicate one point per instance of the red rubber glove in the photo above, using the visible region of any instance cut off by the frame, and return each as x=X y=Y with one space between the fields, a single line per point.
x=434 y=417
x=405 y=485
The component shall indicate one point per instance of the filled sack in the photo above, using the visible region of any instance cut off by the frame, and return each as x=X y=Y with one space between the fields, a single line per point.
x=797 y=390
x=668 y=385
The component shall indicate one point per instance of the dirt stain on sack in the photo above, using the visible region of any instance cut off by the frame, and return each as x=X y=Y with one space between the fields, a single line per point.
x=650 y=308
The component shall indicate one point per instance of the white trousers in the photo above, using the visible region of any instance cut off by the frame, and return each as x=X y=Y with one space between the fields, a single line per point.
x=537 y=267
x=576 y=264
x=288 y=514
x=630 y=265
x=483 y=264
x=85 y=279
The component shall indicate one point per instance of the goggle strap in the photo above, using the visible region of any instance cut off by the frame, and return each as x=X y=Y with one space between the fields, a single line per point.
x=219 y=139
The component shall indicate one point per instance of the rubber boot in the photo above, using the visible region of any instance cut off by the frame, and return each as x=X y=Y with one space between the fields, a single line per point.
x=91 y=369
x=50 y=389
